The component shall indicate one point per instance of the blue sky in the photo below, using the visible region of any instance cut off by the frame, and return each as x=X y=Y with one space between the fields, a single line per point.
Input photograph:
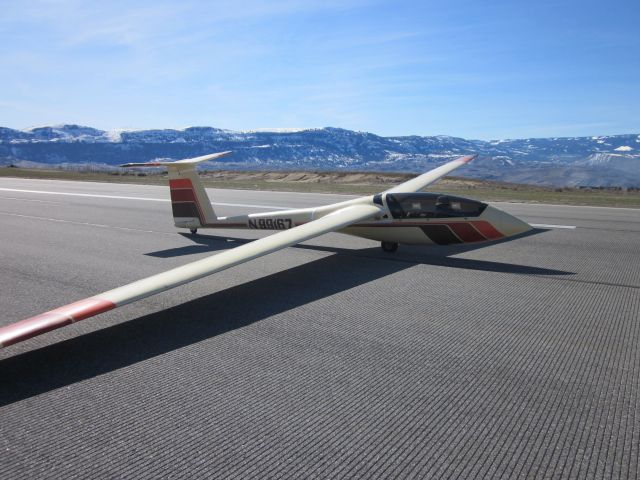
x=487 y=70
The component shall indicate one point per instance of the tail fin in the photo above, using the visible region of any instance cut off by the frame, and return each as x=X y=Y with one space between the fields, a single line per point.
x=189 y=201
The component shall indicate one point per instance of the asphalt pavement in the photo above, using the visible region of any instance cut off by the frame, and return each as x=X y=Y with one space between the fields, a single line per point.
x=331 y=359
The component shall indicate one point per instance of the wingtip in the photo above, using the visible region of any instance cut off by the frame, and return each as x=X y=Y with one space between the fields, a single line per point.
x=53 y=319
x=469 y=158
x=145 y=164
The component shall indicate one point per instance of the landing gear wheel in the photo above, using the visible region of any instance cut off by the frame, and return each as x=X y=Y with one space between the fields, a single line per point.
x=389 y=247
x=194 y=231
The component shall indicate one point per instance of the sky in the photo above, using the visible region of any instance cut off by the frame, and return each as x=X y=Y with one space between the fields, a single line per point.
x=472 y=69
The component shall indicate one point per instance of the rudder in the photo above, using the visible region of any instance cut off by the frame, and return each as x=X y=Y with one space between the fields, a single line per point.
x=189 y=201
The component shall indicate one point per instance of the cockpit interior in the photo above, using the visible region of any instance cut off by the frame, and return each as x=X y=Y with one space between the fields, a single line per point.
x=432 y=205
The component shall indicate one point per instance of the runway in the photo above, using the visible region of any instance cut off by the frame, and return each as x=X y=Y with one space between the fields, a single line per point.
x=331 y=359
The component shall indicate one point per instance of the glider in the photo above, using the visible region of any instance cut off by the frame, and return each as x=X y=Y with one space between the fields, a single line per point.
x=400 y=215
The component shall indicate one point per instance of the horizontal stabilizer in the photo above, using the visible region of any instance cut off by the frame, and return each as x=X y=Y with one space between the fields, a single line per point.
x=180 y=163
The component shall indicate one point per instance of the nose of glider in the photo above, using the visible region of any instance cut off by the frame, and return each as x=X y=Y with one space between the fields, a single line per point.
x=506 y=224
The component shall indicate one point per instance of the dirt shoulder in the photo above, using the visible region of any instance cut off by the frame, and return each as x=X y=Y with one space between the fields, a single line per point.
x=357 y=183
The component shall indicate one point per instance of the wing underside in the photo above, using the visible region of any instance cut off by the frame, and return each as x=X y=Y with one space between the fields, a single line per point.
x=111 y=299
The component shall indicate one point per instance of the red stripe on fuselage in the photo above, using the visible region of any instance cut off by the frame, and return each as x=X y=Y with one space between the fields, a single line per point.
x=466 y=232
x=486 y=229
x=74 y=312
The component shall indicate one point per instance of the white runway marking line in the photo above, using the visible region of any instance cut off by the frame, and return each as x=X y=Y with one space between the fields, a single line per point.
x=87 y=224
x=31 y=200
x=266 y=207
x=524 y=204
x=544 y=225
x=147 y=199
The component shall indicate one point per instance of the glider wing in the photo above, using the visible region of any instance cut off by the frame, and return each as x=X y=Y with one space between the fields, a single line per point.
x=430 y=177
x=146 y=287
x=186 y=161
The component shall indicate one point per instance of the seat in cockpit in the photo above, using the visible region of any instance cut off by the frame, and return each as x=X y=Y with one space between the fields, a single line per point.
x=432 y=205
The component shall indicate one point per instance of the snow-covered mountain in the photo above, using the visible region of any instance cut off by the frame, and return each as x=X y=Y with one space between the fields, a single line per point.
x=606 y=161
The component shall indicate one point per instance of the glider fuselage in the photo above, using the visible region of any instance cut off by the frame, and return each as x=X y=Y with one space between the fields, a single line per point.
x=414 y=219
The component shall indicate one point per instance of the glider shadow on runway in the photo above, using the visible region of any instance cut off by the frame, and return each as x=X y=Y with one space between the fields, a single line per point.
x=102 y=351
x=437 y=255
x=127 y=343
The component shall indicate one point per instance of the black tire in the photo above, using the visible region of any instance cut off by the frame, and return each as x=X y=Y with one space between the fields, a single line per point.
x=389 y=247
x=194 y=231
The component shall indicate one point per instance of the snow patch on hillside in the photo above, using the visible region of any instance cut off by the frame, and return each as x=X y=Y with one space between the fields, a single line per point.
x=116 y=135
x=277 y=130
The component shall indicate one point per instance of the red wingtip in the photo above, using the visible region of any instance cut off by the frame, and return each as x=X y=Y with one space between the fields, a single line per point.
x=468 y=158
x=45 y=322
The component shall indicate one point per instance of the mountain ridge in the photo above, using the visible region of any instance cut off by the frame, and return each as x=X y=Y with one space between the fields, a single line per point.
x=612 y=160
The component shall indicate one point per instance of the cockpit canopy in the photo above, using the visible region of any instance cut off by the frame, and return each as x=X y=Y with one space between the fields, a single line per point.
x=432 y=205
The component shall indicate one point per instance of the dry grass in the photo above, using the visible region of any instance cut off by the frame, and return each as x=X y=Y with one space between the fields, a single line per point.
x=357 y=183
